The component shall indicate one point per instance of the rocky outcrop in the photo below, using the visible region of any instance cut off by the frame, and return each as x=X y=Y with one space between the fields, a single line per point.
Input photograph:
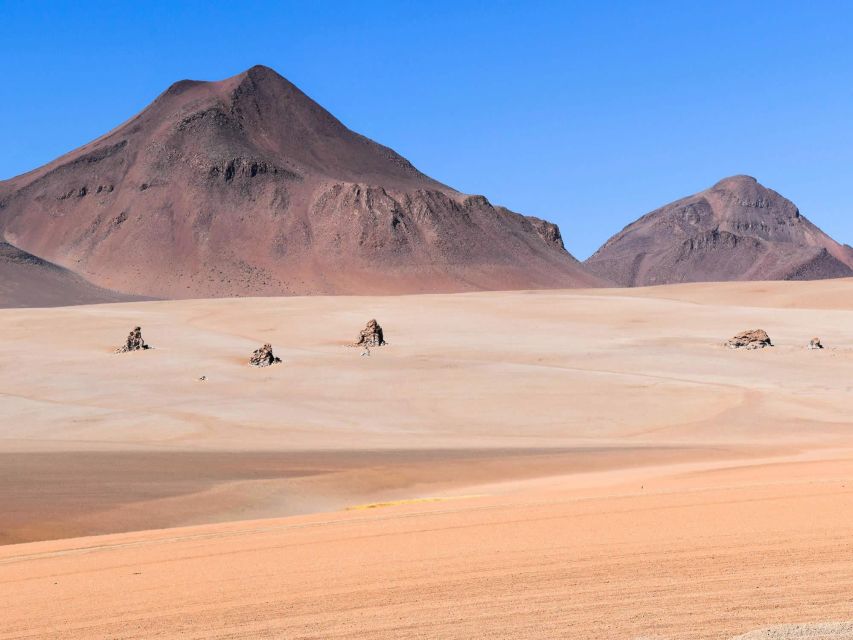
x=263 y=357
x=371 y=336
x=815 y=343
x=751 y=339
x=736 y=230
x=134 y=342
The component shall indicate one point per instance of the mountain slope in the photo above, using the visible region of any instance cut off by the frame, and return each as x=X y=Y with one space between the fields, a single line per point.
x=248 y=187
x=28 y=281
x=736 y=230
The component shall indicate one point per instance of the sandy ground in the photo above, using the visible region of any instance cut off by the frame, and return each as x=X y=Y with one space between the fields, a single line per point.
x=704 y=553
x=587 y=464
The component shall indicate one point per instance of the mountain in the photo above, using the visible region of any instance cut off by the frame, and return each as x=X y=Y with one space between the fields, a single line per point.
x=28 y=281
x=736 y=230
x=246 y=186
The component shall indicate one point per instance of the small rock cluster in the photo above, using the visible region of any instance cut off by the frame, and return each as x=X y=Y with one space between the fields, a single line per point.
x=371 y=335
x=751 y=339
x=758 y=339
x=263 y=357
x=134 y=342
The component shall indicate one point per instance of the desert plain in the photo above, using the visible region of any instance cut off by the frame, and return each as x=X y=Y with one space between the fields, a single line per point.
x=548 y=464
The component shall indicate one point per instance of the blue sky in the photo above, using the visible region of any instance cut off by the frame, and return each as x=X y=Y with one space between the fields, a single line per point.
x=587 y=114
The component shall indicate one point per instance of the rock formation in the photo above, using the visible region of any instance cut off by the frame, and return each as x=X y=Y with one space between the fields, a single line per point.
x=246 y=186
x=134 y=342
x=815 y=343
x=263 y=357
x=371 y=336
x=751 y=339
x=736 y=230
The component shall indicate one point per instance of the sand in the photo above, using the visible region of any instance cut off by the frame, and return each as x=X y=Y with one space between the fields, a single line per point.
x=589 y=464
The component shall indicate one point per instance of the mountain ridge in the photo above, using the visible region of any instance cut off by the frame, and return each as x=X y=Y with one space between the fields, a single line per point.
x=246 y=186
x=737 y=229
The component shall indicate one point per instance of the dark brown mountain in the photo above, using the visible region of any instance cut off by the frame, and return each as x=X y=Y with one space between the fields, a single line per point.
x=248 y=187
x=28 y=281
x=736 y=230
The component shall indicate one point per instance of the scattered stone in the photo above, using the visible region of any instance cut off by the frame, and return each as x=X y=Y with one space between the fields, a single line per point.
x=134 y=342
x=263 y=357
x=815 y=343
x=752 y=339
x=371 y=336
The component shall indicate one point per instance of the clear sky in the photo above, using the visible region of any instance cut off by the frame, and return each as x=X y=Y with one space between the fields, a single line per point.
x=588 y=114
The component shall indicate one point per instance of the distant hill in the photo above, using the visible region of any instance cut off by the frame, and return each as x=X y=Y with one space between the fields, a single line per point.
x=248 y=187
x=28 y=281
x=736 y=230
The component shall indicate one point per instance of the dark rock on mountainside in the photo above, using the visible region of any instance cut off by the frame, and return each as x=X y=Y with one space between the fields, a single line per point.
x=736 y=230
x=246 y=186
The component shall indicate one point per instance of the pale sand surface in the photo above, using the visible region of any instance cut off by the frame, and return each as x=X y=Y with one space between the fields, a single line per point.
x=609 y=469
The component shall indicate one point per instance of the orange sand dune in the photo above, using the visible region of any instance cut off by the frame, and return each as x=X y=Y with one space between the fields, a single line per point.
x=698 y=554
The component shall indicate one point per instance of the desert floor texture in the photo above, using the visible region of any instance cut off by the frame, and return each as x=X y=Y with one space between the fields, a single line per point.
x=553 y=464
